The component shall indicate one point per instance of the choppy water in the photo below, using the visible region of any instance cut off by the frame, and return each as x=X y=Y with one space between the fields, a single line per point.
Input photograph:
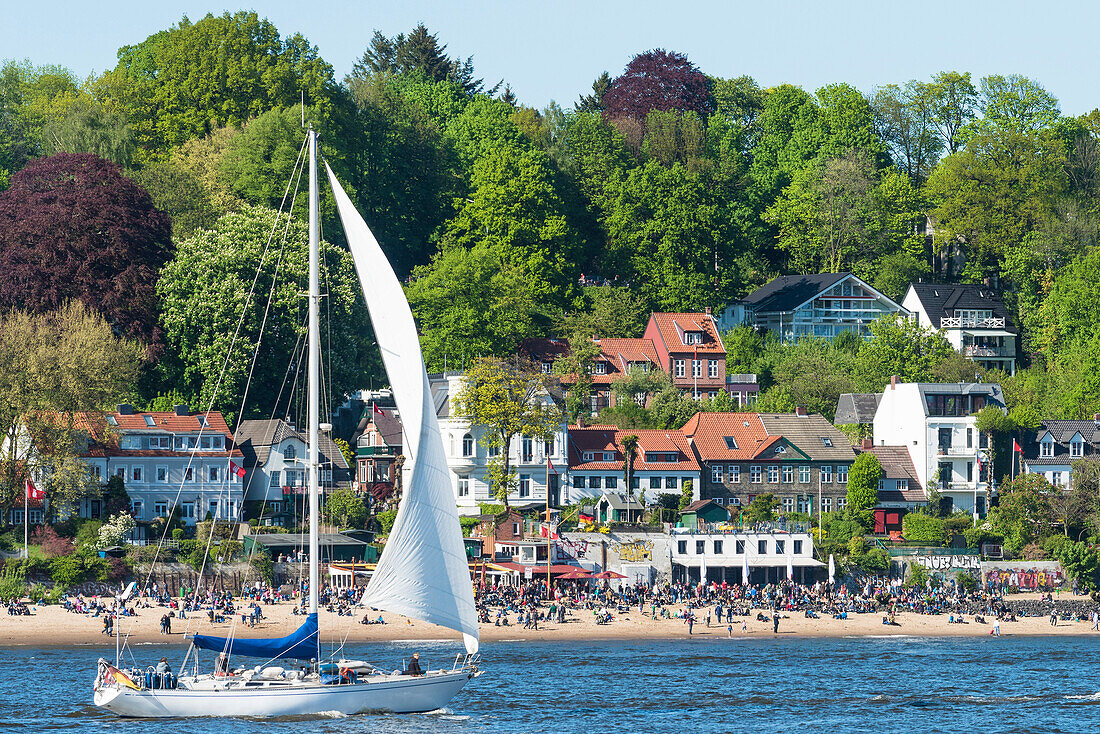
x=893 y=684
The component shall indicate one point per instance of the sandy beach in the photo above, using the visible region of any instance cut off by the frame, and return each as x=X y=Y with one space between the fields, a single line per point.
x=52 y=625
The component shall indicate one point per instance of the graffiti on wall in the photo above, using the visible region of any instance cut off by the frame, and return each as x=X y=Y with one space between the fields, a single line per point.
x=636 y=551
x=945 y=563
x=1031 y=580
x=575 y=548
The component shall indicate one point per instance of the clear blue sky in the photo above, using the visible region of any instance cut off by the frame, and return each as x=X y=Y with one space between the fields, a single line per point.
x=553 y=49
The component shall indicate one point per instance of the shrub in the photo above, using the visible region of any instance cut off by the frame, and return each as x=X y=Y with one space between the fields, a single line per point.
x=68 y=570
x=116 y=530
x=13 y=584
x=468 y=524
x=966 y=582
x=51 y=543
x=87 y=533
x=386 y=519
x=919 y=528
x=976 y=536
x=918 y=575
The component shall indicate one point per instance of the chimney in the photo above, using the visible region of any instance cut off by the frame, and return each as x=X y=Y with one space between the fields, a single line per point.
x=866 y=444
x=800 y=411
x=182 y=410
x=706 y=310
x=893 y=381
x=125 y=409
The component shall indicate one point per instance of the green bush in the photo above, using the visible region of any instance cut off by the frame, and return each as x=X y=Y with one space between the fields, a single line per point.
x=13 y=584
x=918 y=575
x=841 y=526
x=976 y=536
x=468 y=524
x=87 y=534
x=966 y=582
x=925 y=529
x=386 y=519
x=69 y=570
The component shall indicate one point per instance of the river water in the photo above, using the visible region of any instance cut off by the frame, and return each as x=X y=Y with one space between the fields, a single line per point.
x=880 y=684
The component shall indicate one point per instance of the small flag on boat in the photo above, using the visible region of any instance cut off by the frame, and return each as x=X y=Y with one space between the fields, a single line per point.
x=238 y=470
x=120 y=677
x=33 y=493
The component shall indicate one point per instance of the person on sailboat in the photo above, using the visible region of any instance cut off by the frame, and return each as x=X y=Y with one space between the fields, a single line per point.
x=221 y=665
x=163 y=666
x=414 y=665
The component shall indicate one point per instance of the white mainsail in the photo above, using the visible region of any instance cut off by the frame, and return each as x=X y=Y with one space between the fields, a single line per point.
x=423 y=572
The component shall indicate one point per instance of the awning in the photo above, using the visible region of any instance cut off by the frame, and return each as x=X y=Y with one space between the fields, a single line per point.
x=987 y=332
x=767 y=563
x=535 y=569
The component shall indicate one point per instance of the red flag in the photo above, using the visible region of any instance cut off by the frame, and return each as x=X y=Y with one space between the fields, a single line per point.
x=1016 y=446
x=377 y=410
x=548 y=530
x=550 y=465
x=238 y=470
x=33 y=493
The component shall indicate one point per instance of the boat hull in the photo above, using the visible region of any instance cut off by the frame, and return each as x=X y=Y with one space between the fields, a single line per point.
x=396 y=694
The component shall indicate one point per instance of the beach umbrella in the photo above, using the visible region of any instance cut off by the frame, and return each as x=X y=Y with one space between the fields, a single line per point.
x=703 y=569
x=832 y=569
x=575 y=575
x=790 y=566
x=745 y=568
x=608 y=575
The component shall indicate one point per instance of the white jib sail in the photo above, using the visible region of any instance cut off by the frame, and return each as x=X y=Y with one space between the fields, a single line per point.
x=423 y=572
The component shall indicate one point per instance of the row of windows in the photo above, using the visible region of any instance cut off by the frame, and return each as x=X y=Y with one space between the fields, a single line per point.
x=187 y=509
x=190 y=474
x=612 y=482
x=803 y=502
x=731 y=474
x=208 y=442
x=714 y=368
x=718 y=546
x=1076 y=448
x=464 y=485
x=526 y=447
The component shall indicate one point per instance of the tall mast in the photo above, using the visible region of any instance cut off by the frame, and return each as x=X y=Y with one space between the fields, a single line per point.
x=314 y=377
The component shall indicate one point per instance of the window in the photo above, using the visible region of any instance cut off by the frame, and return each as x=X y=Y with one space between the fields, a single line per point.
x=788 y=474
x=670 y=482
x=524 y=485
x=204 y=443
x=594 y=482
x=755 y=473
x=290 y=453
x=731 y=442
x=135 y=509
x=493 y=451
x=716 y=475
x=160 y=508
x=654 y=482
x=841 y=474
x=467 y=445
x=213 y=473
x=188 y=509
x=137 y=473
x=826 y=474
x=773 y=474
x=639 y=398
x=150 y=420
x=608 y=455
x=804 y=475
x=527 y=450
x=903 y=484
x=679 y=365
x=611 y=482
x=213 y=508
x=202 y=421
x=720 y=500
x=970 y=471
x=696 y=368
x=547 y=367
x=712 y=368
x=827 y=441
x=120 y=472
x=217 y=442
x=682 y=547
x=693 y=337
x=969 y=438
x=97 y=471
x=162 y=474
x=700 y=547
x=1056 y=478
x=189 y=474
x=797 y=547
x=826 y=504
x=739 y=547
x=780 y=546
x=735 y=473
x=762 y=547
x=718 y=547
x=160 y=442
x=841 y=503
x=788 y=504
x=599 y=368
x=1076 y=448
x=588 y=456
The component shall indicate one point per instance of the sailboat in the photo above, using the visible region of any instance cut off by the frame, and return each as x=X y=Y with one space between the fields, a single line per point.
x=422 y=572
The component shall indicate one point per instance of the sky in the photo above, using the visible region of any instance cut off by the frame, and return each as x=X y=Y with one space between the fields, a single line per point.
x=554 y=49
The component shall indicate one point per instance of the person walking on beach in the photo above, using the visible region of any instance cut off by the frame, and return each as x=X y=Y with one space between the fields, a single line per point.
x=996 y=631
x=1095 y=620
x=775 y=622
x=1053 y=617
x=690 y=621
x=729 y=630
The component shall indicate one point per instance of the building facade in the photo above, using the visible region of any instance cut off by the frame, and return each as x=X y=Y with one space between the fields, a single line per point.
x=801 y=459
x=164 y=458
x=721 y=557
x=972 y=318
x=469 y=454
x=1056 y=445
x=822 y=305
x=936 y=423
x=663 y=464
x=689 y=348
x=377 y=446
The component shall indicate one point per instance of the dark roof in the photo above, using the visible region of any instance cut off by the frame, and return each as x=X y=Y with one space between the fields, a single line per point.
x=256 y=437
x=1062 y=431
x=855 y=408
x=699 y=505
x=387 y=424
x=808 y=432
x=940 y=300
x=788 y=292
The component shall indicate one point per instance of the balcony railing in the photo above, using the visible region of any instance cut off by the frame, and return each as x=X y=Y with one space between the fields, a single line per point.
x=973 y=350
x=958 y=322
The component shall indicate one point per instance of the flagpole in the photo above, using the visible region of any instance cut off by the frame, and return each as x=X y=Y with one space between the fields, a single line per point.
x=548 y=531
x=26 y=514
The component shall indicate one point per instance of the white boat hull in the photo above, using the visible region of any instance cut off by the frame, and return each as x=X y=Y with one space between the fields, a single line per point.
x=396 y=694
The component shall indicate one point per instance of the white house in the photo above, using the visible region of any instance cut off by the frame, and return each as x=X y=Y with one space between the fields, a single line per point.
x=972 y=318
x=664 y=463
x=468 y=454
x=936 y=423
x=722 y=556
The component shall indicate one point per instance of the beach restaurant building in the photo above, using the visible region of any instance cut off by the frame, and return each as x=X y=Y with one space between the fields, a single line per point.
x=765 y=554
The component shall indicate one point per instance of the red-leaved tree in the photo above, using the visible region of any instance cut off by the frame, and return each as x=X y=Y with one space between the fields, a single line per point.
x=73 y=227
x=658 y=80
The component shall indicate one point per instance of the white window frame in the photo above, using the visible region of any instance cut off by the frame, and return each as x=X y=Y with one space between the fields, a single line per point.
x=841 y=474
x=463 y=485
x=735 y=473
x=788 y=474
x=716 y=474
x=137 y=473
x=773 y=474
x=467 y=445
x=826 y=474
x=756 y=474
x=160 y=508
x=804 y=474
x=1076 y=449
x=788 y=504
x=213 y=474
x=712 y=369
x=1046 y=447
x=680 y=367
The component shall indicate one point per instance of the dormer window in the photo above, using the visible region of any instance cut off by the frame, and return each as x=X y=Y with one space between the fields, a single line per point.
x=1076 y=446
x=1046 y=447
x=608 y=455
x=731 y=442
x=693 y=337
x=202 y=421
x=290 y=452
x=111 y=421
x=588 y=456
x=599 y=368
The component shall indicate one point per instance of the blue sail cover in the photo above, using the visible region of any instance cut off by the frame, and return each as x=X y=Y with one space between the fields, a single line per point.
x=300 y=644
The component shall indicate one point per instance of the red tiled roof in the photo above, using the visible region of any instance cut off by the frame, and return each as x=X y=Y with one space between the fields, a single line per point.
x=672 y=325
x=609 y=438
x=105 y=436
x=624 y=351
x=544 y=350
x=708 y=432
